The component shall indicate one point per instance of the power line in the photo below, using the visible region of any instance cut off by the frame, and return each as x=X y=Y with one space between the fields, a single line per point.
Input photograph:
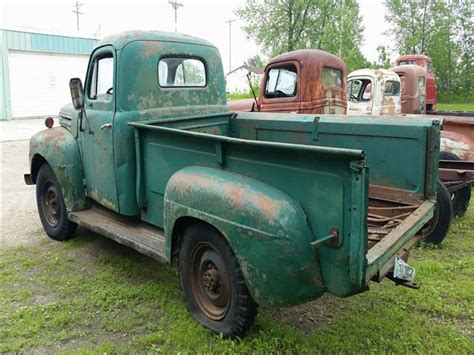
x=176 y=5
x=77 y=12
x=230 y=43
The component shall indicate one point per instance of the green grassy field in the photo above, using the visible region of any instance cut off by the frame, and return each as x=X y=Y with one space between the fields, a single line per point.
x=455 y=107
x=93 y=295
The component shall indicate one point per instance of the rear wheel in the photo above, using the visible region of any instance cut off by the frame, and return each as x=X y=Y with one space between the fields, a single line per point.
x=460 y=198
x=51 y=206
x=212 y=282
x=436 y=229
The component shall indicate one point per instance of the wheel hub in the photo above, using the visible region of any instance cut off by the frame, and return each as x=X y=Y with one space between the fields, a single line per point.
x=50 y=205
x=211 y=279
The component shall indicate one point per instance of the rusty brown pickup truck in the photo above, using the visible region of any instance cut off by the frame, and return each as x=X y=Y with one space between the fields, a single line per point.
x=283 y=89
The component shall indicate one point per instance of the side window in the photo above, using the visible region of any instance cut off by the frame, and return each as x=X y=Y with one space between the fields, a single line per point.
x=367 y=95
x=402 y=83
x=332 y=77
x=392 y=88
x=359 y=90
x=429 y=67
x=179 y=72
x=281 y=82
x=421 y=84
x=102 y=80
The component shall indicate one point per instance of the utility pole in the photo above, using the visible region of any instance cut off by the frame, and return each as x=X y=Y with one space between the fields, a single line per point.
x=176 y=5
x=230 y=43
x=77 y=12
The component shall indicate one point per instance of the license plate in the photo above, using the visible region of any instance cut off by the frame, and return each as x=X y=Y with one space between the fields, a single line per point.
x=402 y=270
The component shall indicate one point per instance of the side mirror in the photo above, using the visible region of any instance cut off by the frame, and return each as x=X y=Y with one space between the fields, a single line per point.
x=77 y=93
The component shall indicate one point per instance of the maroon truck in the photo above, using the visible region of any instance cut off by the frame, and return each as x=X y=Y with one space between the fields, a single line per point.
x=426 y=63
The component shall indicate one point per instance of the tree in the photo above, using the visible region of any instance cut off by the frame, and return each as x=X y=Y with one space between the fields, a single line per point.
x=442 y=30
x=255 y=61
x=383 y=58
x=285 y=25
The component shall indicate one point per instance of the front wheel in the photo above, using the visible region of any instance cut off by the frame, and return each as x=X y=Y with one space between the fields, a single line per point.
x=436 y=229
x=51 y=206
x=212 y=283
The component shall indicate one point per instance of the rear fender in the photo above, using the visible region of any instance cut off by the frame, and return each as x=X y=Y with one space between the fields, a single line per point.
x=266 y=229
x=58 y=148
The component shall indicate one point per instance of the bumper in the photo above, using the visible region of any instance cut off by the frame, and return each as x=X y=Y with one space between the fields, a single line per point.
x=28 y=179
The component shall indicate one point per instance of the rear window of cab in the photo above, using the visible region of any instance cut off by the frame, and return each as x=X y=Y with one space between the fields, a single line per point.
x=181 y=72
x=332 y=77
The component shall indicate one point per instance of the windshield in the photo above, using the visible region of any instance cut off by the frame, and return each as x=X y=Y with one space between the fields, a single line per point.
x=359 y=90
x=281 y=82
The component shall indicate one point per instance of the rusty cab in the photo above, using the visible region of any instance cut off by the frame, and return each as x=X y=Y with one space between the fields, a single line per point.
x=373 y=92
x=301 y=81
x=254 y=209
x=426 y=63
x=413 y=88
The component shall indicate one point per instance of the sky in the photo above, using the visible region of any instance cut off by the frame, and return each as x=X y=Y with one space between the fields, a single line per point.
x=205 y=19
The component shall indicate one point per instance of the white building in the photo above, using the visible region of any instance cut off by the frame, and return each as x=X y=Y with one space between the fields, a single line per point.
x=237 y=82
x=35 y=71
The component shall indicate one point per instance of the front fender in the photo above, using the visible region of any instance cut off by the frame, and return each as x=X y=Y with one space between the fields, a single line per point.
x=58 y=147
x=266 y=229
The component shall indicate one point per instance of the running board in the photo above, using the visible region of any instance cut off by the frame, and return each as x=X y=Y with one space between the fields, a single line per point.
x=143 y=237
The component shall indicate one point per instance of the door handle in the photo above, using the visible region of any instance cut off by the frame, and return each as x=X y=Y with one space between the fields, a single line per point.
x=106 y=125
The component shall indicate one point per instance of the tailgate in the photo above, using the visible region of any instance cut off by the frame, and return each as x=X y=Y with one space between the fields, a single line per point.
x=393 y=230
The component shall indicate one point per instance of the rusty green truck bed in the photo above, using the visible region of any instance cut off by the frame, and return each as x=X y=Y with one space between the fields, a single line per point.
x=352 y=176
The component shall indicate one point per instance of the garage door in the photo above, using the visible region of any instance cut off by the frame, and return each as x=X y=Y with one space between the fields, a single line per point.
x=39 y=82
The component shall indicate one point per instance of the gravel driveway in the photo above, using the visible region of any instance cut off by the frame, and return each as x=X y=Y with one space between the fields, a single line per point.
x=19 y=221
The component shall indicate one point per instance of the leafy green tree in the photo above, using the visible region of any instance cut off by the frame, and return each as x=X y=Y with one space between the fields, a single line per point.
x=443 y=30
x=383 y=60
x=285 y=25
x=256 y=61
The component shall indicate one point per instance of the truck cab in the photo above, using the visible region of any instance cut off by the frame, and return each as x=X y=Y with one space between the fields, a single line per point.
x=373 y=92
x=413 y=82
x=426 y=63
x=301 y=81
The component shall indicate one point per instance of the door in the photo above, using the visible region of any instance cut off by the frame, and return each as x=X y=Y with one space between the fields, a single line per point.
x=39 y=82
x=97 y=129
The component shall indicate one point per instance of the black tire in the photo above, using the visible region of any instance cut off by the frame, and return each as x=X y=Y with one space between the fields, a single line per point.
x=51 y=206
x=437 y=228
x=212 y=282
x=460 y=198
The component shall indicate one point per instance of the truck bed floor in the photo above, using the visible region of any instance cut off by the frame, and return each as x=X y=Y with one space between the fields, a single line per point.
x=144 y=238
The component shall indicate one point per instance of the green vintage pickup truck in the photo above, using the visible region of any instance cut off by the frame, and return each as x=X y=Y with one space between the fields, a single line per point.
x=253 y=208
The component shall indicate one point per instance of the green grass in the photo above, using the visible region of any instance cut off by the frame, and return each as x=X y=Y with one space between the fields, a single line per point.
x=240 y=96
x=92 y=295
x=455 y=107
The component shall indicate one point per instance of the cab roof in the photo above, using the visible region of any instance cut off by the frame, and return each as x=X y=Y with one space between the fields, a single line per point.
x=308 y=55
x=119 y=40
x=413 y=57
x=376 y=73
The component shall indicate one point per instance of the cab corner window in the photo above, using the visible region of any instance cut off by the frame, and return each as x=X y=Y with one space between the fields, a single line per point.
x=181 y=72
x=281 y=82
x=392 y=88
x=429 y=67
x=102 y=78
x=332 y=77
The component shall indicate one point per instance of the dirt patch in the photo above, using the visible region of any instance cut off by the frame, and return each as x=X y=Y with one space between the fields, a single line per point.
x=20 y=223
x=310 y=316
